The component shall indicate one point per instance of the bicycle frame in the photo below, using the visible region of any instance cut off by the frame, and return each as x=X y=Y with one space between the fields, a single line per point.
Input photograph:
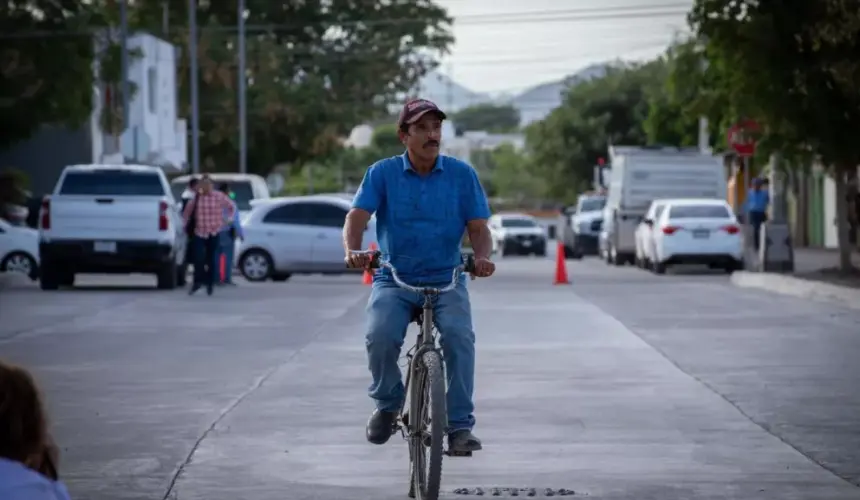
x=426 y=341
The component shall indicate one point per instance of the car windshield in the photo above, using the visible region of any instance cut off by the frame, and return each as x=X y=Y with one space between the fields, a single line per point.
x=112 y=183
x=592 y=204
x=243 y=193
x=699 y=212
x=518 y=223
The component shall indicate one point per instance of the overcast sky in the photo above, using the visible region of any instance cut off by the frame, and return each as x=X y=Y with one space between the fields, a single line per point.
x=504 y=45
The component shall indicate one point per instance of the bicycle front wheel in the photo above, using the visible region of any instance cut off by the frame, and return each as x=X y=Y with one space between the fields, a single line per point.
x=427 y=432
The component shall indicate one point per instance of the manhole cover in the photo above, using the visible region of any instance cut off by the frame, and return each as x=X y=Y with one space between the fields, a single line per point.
x=515 y=492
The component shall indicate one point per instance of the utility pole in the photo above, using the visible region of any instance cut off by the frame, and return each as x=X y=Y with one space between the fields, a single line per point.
x=195 y=117
x=243 y=137
x=123 y=39
x=165 y=19
x=449 y=87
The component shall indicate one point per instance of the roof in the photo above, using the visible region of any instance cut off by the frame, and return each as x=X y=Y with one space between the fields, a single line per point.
x=693 y=201
x=339 y=200
x=218 y=176
x=513 y=215
x=92 y=167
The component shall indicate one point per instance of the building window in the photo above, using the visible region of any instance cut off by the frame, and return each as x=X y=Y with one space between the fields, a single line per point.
x=152 y=83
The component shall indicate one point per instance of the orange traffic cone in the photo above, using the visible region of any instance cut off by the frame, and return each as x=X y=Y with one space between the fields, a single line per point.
x=368 y=275
x=222 y=268
x=560 y=266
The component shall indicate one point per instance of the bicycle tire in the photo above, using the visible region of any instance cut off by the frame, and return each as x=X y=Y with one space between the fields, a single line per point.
x=431 y=387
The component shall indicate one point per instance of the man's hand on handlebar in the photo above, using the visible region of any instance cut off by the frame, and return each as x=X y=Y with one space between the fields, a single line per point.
x=484 y=267
x=359 y=259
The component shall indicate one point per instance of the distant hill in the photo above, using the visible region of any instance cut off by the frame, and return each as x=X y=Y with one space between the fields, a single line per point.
x=537 y=102
x=534 y=103
x=448 y=94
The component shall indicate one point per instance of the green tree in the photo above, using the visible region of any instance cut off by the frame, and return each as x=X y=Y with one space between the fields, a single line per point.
x=46 y=56
x=489 y=117
x=511 y=176
x=386 y=141
x=566 y=145
x=793 y=66
x=314 y=70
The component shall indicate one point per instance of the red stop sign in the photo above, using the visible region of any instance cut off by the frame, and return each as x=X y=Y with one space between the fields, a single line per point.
x=740 y=137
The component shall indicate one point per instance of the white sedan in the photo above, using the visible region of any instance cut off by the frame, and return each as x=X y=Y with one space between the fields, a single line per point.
x=645 y=234
x=295 y=235
x=697 y=231
x=19 y=250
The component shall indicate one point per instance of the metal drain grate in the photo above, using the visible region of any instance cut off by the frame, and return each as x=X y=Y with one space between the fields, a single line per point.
x=515 y=492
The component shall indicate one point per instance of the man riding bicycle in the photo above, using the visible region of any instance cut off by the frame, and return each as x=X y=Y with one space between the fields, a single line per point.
x=423 y=201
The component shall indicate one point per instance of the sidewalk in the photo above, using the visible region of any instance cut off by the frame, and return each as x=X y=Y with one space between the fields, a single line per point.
x=816 y=277
x=567 y=398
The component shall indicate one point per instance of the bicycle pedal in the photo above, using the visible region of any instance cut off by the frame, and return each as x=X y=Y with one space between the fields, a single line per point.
x=454 y=453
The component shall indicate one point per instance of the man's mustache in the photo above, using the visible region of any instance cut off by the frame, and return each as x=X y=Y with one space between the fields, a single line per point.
x=432 y=143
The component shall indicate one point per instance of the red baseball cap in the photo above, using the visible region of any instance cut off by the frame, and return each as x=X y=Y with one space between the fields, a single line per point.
x=414 y=109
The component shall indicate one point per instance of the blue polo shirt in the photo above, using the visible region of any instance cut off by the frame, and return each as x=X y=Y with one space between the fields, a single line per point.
x=420 y=220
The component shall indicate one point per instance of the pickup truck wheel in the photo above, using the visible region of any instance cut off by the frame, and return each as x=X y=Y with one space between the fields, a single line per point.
x=256 y=265
x=49 y=280
x=167 y=277
x=67 y=279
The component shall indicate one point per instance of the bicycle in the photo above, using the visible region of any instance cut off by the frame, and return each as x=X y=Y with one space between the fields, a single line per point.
x=426 y=386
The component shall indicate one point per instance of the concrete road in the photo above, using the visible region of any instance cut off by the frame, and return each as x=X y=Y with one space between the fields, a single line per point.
x=624 y=385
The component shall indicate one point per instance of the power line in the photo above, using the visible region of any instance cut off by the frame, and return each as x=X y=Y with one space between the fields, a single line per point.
x=569 y=15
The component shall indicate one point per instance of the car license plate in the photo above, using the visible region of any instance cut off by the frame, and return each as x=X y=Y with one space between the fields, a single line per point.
x=105 y=246
x=701 y=233
x=527 y=243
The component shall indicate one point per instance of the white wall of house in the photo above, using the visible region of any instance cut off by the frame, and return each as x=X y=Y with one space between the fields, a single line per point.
x=155 y=135
x=831 y=236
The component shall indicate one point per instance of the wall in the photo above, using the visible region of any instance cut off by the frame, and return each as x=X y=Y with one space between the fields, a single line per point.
x=156 y=135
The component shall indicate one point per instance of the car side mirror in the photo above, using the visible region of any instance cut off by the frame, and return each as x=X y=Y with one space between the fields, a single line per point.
x=648 y=222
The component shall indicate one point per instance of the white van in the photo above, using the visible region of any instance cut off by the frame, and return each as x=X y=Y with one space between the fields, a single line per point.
x=246 y=187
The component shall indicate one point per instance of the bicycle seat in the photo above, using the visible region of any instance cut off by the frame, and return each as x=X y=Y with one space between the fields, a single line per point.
x=417 y=316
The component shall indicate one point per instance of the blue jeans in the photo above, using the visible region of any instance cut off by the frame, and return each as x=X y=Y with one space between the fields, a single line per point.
x=226 y=248
x=389 y=311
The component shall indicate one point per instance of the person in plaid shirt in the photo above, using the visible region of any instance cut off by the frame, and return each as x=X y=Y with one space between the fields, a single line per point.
x=212 y=209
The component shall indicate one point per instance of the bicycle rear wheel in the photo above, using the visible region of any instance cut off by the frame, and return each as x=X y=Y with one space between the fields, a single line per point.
x=428 y=418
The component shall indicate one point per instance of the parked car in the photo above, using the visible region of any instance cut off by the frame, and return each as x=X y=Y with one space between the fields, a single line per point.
x=296 y=235
x=645 y=235
x=19 y=250
x=697 y=231
x=581 y=225
x=111 y=219
x=517 y=233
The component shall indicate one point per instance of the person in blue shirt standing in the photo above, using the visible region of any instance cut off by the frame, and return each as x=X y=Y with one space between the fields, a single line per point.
x=424 y=201
x=756 y=205
x=227 y=239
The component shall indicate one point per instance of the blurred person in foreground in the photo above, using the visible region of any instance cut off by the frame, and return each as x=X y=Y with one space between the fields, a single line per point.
x=755 y=206
x=423 y=201
x=227 y=237
x=28 y=456
x=210 y=208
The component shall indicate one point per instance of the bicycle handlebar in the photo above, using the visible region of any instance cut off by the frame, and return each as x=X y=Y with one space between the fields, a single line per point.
x=376 y=263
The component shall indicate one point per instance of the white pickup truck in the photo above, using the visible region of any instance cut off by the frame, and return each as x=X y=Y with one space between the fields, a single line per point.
x=111 y=219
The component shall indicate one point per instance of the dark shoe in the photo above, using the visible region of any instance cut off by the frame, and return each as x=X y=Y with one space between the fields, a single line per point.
x=380 y=427
x=463 y=441
x=209 y=290
x=193 y=289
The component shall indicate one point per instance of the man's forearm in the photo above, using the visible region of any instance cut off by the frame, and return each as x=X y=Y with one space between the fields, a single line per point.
x=353 y=230
x=482 y=242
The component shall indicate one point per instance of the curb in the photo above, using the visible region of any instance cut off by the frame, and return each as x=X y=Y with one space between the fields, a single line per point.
x=798 y=287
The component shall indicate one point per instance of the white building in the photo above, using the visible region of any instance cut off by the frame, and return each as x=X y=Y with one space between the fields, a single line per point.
x=154 y=135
